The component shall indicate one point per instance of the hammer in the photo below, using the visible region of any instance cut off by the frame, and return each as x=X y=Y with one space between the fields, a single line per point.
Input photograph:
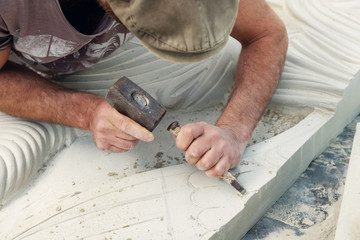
x=134 y=102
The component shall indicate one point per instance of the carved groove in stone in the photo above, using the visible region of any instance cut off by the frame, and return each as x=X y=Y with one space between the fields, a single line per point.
x=24 y=148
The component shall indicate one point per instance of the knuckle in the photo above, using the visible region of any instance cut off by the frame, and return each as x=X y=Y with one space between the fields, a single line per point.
x=124 y=125
x=211 y=173
x=195 y=153
x=187 y=130
x=99 y=127
x=180 y=144
x=102 y=146
x=130 y=145
x=183 y=142
x=125 y=144
x=118 y=150
x=222 y=146
x=204 y=124
x=219 y=169
x=203 y=165
x=212 y=161
x=190 y=158
x=214 y=136
x=99 y=138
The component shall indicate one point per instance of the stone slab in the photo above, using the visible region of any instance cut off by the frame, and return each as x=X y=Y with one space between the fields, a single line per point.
x=310 y=208
x=348 y=226
x=82 y=193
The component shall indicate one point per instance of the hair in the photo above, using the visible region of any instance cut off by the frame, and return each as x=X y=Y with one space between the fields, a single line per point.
x=105 y=5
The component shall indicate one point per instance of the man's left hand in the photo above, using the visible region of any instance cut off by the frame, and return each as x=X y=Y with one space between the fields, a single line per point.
x=212 y=149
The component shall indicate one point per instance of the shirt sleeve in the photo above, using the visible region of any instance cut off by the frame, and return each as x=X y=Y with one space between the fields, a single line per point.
x=5 y=36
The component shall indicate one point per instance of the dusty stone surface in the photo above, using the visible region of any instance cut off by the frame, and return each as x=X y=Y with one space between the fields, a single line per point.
x=310 y=208
x=277 y=119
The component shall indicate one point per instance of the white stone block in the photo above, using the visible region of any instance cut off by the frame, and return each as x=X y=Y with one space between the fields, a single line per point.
x=348 y=227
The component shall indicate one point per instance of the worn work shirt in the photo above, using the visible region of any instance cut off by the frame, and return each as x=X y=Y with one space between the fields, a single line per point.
x=43 y=39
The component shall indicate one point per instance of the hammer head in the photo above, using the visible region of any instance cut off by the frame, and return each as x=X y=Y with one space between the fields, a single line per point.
x=134 y=102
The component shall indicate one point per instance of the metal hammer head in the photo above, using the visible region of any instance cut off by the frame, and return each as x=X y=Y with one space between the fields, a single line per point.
x=134 y=102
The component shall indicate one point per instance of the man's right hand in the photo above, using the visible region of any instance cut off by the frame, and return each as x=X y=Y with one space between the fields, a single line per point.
x=43 y=100
x=114 y=132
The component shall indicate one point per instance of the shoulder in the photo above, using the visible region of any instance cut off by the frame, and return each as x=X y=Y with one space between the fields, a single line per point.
x=11 y=8
x=9 y=11
x=8 y=7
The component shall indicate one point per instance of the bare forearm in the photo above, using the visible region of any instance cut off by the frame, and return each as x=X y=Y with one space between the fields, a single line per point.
x=258 y=71
x=26 y=95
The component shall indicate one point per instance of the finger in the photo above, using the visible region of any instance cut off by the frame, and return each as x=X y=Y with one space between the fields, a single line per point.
x=124 y=144
x=114 y=149
x=113 y=132
x=209 y=160
x=130 y=127
x=116 y=143
x=188 y=134
x=219 y=168
x=197 y=149
x=125 y=136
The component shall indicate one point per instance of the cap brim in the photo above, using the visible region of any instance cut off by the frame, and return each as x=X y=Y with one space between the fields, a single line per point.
x=185 y=57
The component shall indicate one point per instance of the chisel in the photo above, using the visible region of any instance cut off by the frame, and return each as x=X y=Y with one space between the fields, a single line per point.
x=174 y=128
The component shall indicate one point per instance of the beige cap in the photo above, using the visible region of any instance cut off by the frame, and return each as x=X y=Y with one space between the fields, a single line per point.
x=179 y=30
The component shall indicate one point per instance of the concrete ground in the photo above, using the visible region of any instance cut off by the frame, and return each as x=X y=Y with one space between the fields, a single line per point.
x=310 y=208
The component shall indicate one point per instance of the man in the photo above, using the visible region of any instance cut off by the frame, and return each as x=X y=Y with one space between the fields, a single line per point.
x=212 y=148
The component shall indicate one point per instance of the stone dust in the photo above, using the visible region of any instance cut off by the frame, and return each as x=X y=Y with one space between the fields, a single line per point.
x=277 y=119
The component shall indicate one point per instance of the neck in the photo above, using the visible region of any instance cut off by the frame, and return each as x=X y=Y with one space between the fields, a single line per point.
x=83 y=15
x=105 y=5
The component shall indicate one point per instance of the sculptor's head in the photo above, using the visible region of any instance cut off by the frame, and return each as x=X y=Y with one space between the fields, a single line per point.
x=175 y=29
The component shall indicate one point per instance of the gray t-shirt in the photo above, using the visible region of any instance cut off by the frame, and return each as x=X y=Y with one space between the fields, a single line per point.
x=43 y=39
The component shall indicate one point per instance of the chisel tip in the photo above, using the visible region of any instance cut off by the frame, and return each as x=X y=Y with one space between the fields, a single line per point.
x=238 y=187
